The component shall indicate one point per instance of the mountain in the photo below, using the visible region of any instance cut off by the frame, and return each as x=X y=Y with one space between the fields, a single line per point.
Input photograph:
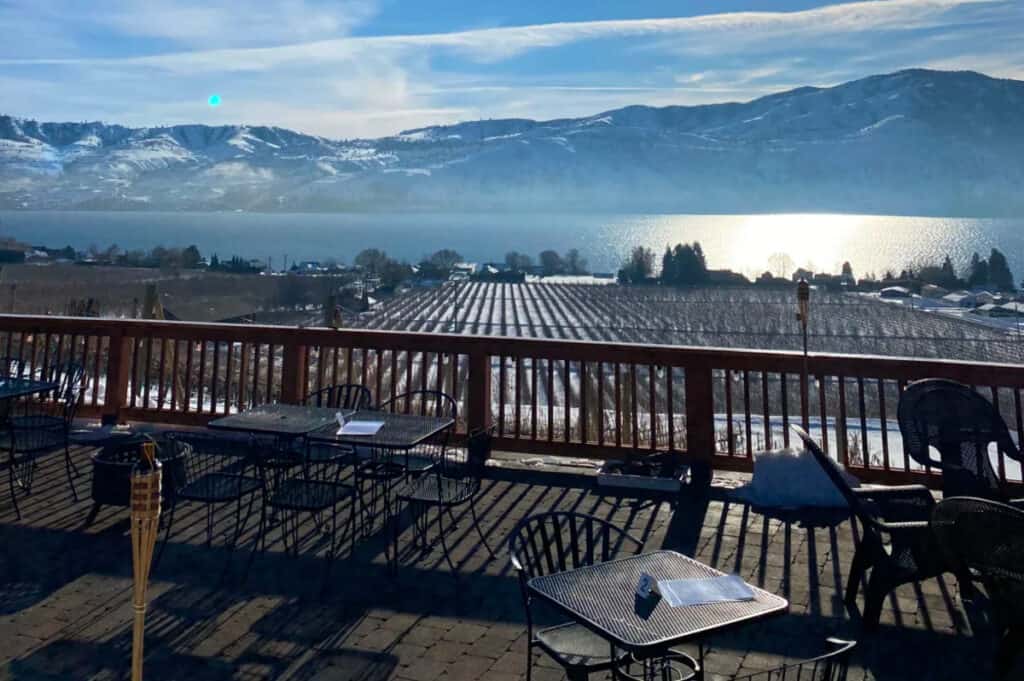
x=912 y=142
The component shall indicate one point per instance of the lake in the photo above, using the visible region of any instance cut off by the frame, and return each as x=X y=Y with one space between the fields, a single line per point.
x=745 y=243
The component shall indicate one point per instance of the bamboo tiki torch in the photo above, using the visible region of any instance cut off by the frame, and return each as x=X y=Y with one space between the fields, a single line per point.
x=145 y=520
x=803 y=297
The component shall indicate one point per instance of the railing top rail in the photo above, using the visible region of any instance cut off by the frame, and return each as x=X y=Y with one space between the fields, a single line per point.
x=876 y=366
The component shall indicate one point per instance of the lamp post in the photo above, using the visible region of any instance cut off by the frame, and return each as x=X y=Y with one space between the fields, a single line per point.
x=803 y=297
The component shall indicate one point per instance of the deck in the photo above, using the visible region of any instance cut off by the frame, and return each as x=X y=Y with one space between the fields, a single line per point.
x=65 y=594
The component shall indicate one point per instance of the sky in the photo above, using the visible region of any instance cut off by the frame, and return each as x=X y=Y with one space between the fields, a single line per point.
x=368 y=68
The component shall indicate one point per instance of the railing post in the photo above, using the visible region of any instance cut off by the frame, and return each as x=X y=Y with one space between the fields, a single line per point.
x=293 y=373
x=119 y=370
x=700 y=413
x=478 y=399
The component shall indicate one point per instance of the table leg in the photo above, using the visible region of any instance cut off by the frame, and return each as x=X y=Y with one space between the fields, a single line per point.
x=93 y=512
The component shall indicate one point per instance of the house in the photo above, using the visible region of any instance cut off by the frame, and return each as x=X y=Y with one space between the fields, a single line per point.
x=933 y=291
x=960 y=299
x=894 y=292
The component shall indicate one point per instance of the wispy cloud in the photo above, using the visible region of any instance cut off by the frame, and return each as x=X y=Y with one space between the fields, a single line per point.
x=323 y=66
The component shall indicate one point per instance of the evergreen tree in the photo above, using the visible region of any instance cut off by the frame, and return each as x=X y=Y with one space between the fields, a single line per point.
x=999 y=273
x=978 y=274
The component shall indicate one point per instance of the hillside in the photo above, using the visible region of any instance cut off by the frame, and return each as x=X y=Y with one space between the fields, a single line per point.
x=912 y=142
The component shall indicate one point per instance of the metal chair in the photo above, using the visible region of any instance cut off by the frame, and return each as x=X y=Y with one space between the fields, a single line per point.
x=895 y=543
x=832 y=666
x=961 y=424
x=297 y=484
x=214 y=470
x=447 y=486
x=989 y=538
x=344 y=396
x=425 y=403
x=554 y=542
x=44 y=427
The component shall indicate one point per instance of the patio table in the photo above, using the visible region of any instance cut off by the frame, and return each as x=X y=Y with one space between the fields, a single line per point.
x=602 y=597
x=281 y=420
x=400 y=431
x=12 y=388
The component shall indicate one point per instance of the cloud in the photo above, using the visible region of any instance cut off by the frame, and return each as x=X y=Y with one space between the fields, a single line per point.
x=493 y=44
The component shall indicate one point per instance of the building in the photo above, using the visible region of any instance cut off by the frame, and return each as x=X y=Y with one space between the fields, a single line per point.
x=893 y=292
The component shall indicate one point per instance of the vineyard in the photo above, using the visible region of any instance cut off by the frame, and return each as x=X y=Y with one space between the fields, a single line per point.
x=714 y=317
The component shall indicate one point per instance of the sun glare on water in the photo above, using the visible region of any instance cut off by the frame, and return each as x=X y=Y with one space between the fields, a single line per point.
x=815 y=241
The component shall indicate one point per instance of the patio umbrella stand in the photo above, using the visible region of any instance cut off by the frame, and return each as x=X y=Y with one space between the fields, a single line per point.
x=145 y=518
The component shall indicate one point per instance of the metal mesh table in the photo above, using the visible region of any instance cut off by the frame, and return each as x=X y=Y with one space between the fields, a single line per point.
x=400 y=431
x=20 y=387
x=283 y=420
x=603 y=598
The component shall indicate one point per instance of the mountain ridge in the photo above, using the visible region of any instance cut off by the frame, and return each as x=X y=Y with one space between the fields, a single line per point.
x=912 y=142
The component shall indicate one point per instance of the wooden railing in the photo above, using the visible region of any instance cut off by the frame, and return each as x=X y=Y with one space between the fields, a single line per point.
x=568 y=398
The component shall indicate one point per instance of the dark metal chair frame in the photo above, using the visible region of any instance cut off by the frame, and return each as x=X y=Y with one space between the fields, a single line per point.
x=353 y=396
x=215 y=469
x=832 y=666
x=448 y=485
x=988 y=537
x=896 y=517
x=297 y=480
x=961 y=424
x=44 y=426
x=536 y=548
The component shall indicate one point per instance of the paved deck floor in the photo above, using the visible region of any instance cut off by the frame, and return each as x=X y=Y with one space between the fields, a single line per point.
x=65 y=593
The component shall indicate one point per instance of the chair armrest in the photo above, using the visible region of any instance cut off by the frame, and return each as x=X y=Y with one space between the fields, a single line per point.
x=882 y=490
x=1016 y=503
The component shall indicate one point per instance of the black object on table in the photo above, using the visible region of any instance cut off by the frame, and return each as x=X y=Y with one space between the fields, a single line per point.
x=282 y=420
x=602 y=597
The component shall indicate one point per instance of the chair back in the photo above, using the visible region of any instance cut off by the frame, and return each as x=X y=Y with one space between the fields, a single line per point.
x=206 y=453
x=344 y=396
x=987 y=537
x=551 y=542
x=961 y=424
x=422 y=402
x=71 y=383
x=832 y=666
x=471 y=470
x=831 y=468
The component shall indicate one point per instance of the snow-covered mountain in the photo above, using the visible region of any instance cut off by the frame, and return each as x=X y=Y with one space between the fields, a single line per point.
x=917 y=141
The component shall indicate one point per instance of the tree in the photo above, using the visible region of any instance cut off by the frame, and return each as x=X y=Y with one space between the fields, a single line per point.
x=518 y=262
x=372 y=260
x=999 y=273
x=781 y=265
x=574 y=262
x=848 y=271
x=978 y=272
x=686 y=266
x=551 y=263
x=190 y=258
x=214 y=262
x=638 y=268
x=444 y=260
x=669 y=274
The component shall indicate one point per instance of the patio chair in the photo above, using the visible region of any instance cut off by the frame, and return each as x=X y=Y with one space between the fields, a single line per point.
x=830 y=666
x=989 y=538
x=44 y=426
x=214 y=470
x=554 y=542
x=895 y=543
x=343 y=396
x=961 y=424
x=447 y=486
x=425 y=403
x=296 y=485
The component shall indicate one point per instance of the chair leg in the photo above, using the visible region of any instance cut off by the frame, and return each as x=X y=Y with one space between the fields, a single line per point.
x=874 y=598
x=857 y=568
x=529 y=658
x=14 y=496
x=256 y=542
x=476 y=524
x=167 y=535
x=68 y=467
x=240 y=523
x=444 y=542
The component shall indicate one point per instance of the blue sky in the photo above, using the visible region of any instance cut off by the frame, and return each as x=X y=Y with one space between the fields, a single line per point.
x=354 y=68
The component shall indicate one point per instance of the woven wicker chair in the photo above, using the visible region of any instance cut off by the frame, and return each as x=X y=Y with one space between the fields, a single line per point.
x=961 y=424
x=895 y=542
x=989 y=538
x=583 y=540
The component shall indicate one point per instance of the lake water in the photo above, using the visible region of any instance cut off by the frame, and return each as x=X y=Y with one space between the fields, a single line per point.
x=744 y=243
